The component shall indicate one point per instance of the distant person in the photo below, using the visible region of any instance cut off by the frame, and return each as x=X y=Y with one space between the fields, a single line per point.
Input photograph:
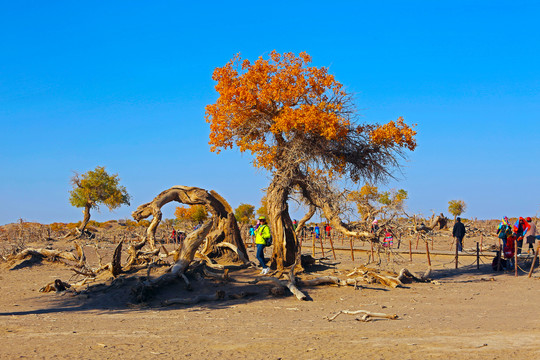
x=262 y=234
x=327 y=229
x=374 y=226
x=251 y=233
x=504 y=230
x=388 y=238
x=530 y=235
x=317 y=231
x=295 y=225
x=458 y=232
x=520 y=228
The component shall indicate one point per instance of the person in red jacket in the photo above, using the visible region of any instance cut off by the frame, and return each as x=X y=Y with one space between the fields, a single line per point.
x=327 y=229
x=520 y=228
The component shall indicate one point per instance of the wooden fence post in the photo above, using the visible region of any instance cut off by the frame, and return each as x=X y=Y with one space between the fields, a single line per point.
x=332 y=246
x=410 y=249
x=481 y=242
x=477 y=256
x=515 y=260
x=534 y=259
x=427 y=252
x=322 y=248
x=352 y=251
x=456 y=253
x=313 y=244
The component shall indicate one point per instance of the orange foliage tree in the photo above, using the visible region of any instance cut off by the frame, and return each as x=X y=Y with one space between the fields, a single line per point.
x=299 y=124
x=194 y=213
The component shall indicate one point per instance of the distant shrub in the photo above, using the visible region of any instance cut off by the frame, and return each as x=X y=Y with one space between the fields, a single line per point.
x=73 y=225
x=57 y=226
x=145 y=223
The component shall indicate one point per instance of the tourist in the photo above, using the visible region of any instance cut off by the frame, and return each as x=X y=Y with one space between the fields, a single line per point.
x=458 y=232
x=520 y=228
x=327 y=229
x=388 y=238
x=251 y=233
x=530 y=235
x=374 y=226
x=262 y=234
x=504 y=230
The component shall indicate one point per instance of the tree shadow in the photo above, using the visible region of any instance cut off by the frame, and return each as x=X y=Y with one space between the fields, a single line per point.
x=119 y=295
x=483 y=272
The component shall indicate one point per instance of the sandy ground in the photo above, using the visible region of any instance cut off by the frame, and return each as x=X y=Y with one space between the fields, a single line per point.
x=469 y=313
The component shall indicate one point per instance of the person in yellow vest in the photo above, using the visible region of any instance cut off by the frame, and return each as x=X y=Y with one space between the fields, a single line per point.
x=262 y=235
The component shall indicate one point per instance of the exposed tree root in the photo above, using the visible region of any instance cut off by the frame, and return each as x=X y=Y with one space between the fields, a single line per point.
x=407 y=276
x=290 y=284
x=52 y=255
x=57 y=285
x=366 y=315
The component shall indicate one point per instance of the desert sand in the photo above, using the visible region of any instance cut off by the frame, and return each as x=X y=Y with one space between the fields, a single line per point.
x=467 y=313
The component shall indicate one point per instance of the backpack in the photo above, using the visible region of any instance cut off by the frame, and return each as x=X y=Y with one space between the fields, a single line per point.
x=269 y=240
x=504 y=232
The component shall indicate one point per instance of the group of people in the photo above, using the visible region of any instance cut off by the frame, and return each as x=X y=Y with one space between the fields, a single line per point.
x=512 y=237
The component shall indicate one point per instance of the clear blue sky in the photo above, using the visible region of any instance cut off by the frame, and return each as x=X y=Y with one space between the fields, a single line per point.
x=123 y=84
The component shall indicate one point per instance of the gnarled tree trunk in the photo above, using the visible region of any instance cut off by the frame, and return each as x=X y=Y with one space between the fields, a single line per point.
x=286 y=245
x=317 y=194
x=86 y=219
x=224 y=228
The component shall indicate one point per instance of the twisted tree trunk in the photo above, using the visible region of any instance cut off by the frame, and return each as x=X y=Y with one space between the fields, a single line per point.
x=86 y=219
x=224 y=228
x=286 y=245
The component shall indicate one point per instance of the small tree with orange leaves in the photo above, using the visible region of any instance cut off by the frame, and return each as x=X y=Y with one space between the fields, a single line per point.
x=299 y=123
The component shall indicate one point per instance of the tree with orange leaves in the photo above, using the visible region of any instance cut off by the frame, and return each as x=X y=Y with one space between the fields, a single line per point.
x=299 y=123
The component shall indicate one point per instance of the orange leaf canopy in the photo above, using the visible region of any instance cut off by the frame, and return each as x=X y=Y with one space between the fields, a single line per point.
x=266 y=106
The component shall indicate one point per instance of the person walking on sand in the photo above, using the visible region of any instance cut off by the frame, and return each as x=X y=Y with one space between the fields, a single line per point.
x=458 y=232
x=262 y=234
x=530 y=235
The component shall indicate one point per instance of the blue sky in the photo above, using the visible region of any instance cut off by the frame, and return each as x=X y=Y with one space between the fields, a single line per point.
x=124 y=84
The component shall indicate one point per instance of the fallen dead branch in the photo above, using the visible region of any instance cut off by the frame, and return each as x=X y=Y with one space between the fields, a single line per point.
x=290 y=284
x=57 y=285
x=51 y=255
x=332 y=280
x=366 y=315
x=406 y=275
